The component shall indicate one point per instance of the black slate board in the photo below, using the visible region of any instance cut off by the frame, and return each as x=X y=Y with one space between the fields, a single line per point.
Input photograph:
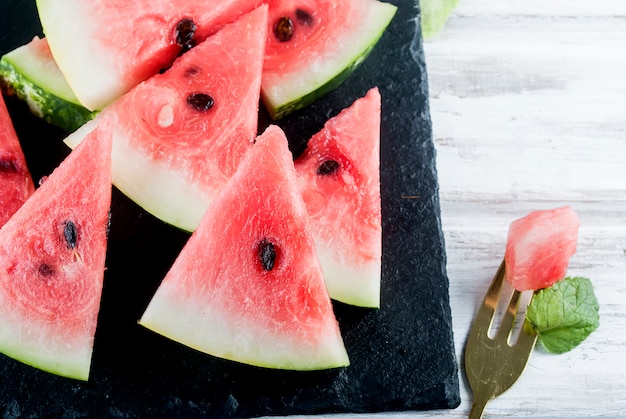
x=402 y=354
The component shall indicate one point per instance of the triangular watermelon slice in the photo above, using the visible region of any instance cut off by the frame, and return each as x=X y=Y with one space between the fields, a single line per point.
x=16 y=184
x=105 y=47
x=180 y=135
x=340 y=182
x=52 y=255
x=248 y=286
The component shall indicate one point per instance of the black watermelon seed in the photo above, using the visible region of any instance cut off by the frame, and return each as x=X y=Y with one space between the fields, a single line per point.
x=192 y=71
x=304 y=17
x=267 y=254
x=328 y=167
x=283 y=29
x=185 y=34
x=71 y=234
x=200 y=101
x=46 y=270
x=7 y=165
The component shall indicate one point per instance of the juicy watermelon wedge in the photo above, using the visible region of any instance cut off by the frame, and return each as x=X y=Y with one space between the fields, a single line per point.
x=16 y=184
x=340 y=183
x=105 y=47
x=172 y=150
x=248 y=286
x=313 y=46
x=52 y=256
x=539 y=246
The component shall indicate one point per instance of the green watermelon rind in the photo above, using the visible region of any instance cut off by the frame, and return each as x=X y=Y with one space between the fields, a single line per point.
x=46 y=93
x=323 y=90
x=279 y=107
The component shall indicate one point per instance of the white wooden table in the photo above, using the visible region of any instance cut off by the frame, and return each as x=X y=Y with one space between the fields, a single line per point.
x=528 y=103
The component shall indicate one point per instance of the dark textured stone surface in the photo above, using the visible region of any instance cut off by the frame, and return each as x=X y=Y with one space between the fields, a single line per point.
x=402 y=355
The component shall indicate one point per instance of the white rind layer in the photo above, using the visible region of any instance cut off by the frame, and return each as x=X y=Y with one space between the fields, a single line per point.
x=77 y=60
x=41 y=72
x=30 y=344
x=205 y=328
x=358 y=286
x=167 y=195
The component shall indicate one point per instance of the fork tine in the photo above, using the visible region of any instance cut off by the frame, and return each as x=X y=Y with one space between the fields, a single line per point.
x=493 y=293
x=485 y=315
x=508 y=321
x=527 y=337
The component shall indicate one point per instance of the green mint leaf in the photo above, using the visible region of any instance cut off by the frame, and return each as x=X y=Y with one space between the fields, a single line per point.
x=564 y=314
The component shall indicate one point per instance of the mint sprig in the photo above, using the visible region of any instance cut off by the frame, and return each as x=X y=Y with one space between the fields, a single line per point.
x=564 y=314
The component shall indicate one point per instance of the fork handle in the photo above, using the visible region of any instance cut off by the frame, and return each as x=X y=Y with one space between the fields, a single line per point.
x=478 y=407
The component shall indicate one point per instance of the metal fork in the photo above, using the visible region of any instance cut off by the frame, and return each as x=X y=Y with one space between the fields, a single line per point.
x=493 y=364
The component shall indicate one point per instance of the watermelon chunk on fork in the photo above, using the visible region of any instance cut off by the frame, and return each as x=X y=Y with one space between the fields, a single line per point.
x=539 y=247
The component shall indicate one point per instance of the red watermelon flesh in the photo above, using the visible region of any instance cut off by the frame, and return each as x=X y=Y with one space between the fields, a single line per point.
x=105 y=47
x=52 y=255
x=340 y=183
x=171 y=154
x=16 y=185
x=248 y=286
x=539 y=247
